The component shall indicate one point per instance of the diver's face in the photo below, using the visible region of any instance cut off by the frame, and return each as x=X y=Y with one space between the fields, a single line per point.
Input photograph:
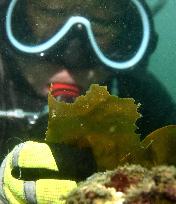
x=71 y=62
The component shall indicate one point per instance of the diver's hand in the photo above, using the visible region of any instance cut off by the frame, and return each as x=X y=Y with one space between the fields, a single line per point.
x=29 y=174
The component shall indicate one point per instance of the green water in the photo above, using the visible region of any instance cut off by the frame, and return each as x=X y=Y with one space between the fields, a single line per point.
x=163 y=61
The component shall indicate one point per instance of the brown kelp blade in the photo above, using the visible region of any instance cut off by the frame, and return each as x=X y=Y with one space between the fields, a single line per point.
x=97 y=120
x=161 y=145
x=158 y=148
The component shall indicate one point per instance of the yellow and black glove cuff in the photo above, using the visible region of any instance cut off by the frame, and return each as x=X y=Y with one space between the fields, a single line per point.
x=32 y=155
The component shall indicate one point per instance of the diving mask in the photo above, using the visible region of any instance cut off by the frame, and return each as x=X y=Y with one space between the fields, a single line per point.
x=108 y=57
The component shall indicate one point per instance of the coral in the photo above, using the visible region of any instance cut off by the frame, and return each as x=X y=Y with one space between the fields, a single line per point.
x=129 y=184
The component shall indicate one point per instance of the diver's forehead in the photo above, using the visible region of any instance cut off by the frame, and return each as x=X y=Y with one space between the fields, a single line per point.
x=106 y=8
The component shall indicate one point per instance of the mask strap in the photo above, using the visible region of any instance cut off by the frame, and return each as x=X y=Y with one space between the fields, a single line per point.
x=83 y=21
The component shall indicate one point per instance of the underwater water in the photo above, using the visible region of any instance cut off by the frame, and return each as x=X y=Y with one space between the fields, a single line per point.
x=163 y=61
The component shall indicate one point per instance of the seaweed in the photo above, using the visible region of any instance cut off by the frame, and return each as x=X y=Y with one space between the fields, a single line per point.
x=158 y=148
x=107 y=124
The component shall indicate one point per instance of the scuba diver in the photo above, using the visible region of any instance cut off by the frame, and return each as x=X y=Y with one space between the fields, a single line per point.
x=71 y=44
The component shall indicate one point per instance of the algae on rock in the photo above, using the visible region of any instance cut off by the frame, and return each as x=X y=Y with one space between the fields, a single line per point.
x=129 y=184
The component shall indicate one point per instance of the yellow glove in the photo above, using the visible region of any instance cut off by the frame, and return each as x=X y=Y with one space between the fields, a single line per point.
x=31 y=155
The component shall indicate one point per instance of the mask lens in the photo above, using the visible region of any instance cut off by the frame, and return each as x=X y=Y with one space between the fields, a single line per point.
x=33 y=24
x=119 y=38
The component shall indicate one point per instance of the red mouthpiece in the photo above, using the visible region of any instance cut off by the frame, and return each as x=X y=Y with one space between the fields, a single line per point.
x=64 y=90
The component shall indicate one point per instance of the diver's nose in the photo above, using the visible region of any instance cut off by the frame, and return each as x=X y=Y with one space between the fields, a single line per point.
x=76 y=54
